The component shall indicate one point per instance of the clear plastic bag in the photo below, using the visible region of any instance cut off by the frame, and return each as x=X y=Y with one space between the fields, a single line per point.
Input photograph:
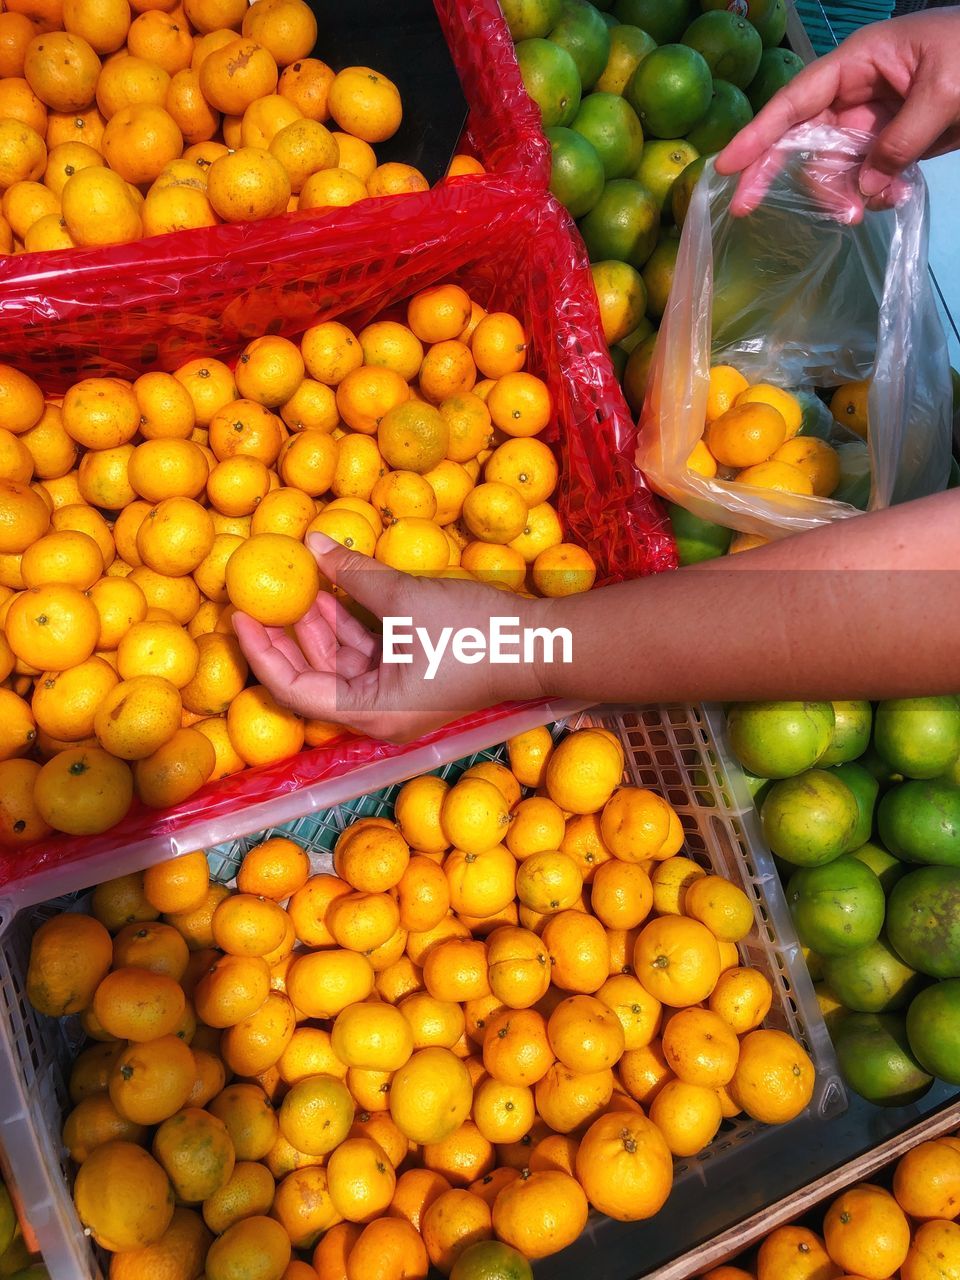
x=793 y=296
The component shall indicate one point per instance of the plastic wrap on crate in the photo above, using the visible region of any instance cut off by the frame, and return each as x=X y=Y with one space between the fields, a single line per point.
x=503 y=125
x=515 y=252
x=673 y=749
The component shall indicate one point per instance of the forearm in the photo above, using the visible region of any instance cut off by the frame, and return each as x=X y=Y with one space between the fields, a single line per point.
x=864 y=608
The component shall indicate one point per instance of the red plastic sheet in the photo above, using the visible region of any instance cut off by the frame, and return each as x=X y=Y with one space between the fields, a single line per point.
x=511 y=251
x=503 y=126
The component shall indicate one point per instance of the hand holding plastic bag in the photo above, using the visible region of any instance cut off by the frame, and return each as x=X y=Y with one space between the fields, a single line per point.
x=794 y=296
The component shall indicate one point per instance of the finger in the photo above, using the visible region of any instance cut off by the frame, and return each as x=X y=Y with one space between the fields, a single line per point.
x=806 y=96
x=366 y=579
x=347 y=629
x=267 y=663
x=324 y=695
x=928 y=112
x=317 y=640
x=286 y=645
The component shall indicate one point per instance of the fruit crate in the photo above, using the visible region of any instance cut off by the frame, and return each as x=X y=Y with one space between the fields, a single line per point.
x=670 y=749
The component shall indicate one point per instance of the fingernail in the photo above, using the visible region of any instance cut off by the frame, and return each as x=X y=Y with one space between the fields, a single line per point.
x=872 y=182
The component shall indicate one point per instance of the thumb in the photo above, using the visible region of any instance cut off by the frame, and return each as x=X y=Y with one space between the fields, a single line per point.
x=910 y=134
x=369 y=582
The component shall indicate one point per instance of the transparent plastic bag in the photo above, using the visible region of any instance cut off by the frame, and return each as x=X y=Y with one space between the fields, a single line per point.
x=793 y=296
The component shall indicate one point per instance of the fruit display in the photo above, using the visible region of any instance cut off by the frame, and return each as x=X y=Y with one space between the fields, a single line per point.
x=120 y=122
x=510 y=1001
x=861 y=806
x=135 y=517
x=634 y=97
x=901 y=1223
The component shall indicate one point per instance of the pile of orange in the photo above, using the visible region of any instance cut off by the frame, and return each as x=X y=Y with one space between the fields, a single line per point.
x=120 y=120
x=751 y=437
x=906 y=1228
x=514 y=1001
x=135 y=517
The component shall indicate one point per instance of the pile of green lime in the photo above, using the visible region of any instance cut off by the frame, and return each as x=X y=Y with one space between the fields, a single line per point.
x=860 y=805
x=634 y=95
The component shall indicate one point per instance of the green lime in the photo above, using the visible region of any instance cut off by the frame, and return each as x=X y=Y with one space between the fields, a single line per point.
x=658 y=275
x=618 y=358
x=865 y=788
x=770 y=19
x=872 y=979
x=697 y=539
x=808 y=820
x=837 y=907
x=621 y=297
x=637 y=372
x=923 y=920
x=884 y=865
x=610 y=22
x=831 y=1008
x=661 y=163
x=933 y=1028
x=682 y=190
x=8 y=1220
x=875 y=763
x=851 y=732
x=623 y=224
x=611 y=126
x=671 y=90
x=576 y=171
x=877 y=1061
x=779 y=739
x=640 y=334
x=919 y=821
x=491 y=1260
x=777 y=68
x=530 y=19
x=628 y=48
x=664 y=20
x=731 y=46
x=918 y=737
x=585 y=36
x=727 y=114
x=550 y=77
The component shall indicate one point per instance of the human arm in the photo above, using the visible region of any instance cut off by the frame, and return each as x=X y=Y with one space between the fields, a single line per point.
x=862 y=608
x=898 y=80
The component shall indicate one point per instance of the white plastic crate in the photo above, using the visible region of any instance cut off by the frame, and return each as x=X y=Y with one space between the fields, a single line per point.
x=677 y=751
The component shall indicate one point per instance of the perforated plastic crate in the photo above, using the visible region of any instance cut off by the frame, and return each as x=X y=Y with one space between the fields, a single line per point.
x=677 y=751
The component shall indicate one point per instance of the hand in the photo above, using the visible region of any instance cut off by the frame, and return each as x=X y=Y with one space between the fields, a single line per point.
x=898 y=80
x=332 y=668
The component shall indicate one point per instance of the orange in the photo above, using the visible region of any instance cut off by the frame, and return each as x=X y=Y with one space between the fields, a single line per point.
x=94 y=1121
x=579 y=951
x=746 y=434
x=399 y=979
x=528 y=754
x=816 y=459
x=233 y=988
x=549 y=881
x=462 y=1157
x=519 y=968
x=359 y=466
x=373 y=1036
x=721 y=906
x=363 y=921
x=269 y=371
x=53 y=451
x=563 y=569
x=139 y=141
x=520 y=404
x=528 y=466
x=23 y=155
x=62 y=70
x=248 y=1191
x=499 y=345
x=782 y=477
x=174 y=770
x=164 y=468
x=787 y=405
x=249 y=1119
x=189 y=110
x=122 y=1197
x=83 y=791
x=162 y=39
x=416 y=1191
x=401 y=494
x=432 y=1022
x=447 y=370
x=331 y=188
x=331 y=1254
x=120 y=901
x=308 y=909
x=453 y=1221
x=701 y=461
x=99 y=208
x=64 y=702
x=210 y=385
x=622 y=895
x=360 y=1179
x=726 y=383
x=420 y=943
x=254 y=1044
x=16 y=32
x=248 y=428
x=637 y=1011
x=495 y=512
x=371 y=859
x=794 y=1253
x=157 y=947
x=585 y=1034
x=323 y=983
x=935 y=1245
x=175 y=536
x=158 y=649
x=275 y=868
x=430 y=1095
x=583 y=771
x=423 y=894
x=365 y=104
x=137 y=1004
x=258 y=1245
x=568 y=1099
x=273 y=577
x=308 y=462
x=387 y=1249
x=688 y=1116
x=288 y=29
x=926 y=1181
x=236 y=486
x=24 y=517
x=194 y=924
x=220 y=677
x=474 y=815
x=75 y=126
x=91 y=1069
x=364 y=395
x=774 y=1079
x=21 y=400
x=20 y=820
x=69 y=957
x=742 y=998
x=849 y=406
x=303 y=147
x=283 y=510
x=303 y=1207
x=248 y=183
x=306 y=82
x=456 y=969
x=245 y=925
x=677 y=960
x=196 y=1153
x=313 y=406
x=637 y=824
x=541 y=1213
x=480 y=884
x=151 y=1080
x=625 y=1167
x=236 y=74
x=866 y=1228
x=25 y=203
x=700 y=1048
x=439 y=313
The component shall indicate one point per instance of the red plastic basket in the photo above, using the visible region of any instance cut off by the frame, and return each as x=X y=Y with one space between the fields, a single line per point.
x=511 y=250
